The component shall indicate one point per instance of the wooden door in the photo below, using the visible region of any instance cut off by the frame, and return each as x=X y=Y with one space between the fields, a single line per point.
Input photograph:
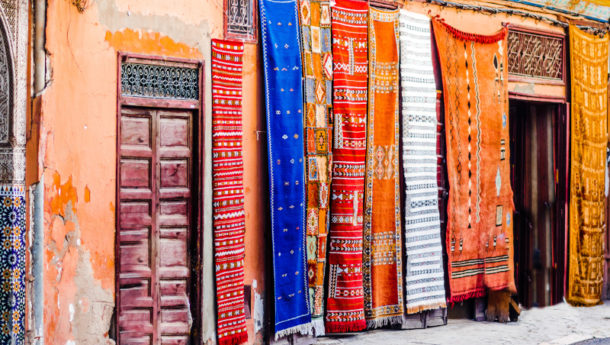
x=536 y=161
x=156 y=237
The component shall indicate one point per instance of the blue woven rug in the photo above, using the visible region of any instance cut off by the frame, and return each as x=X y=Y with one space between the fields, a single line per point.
x=284 y=102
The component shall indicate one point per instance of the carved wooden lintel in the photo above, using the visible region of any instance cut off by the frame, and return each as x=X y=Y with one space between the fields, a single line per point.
x=535 y=55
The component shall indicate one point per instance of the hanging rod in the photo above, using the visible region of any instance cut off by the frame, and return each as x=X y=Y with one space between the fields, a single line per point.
x=510 y=11
x=385 y=4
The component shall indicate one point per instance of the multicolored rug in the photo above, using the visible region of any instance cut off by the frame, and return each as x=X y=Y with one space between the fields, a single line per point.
x=318 y=73
x=284 y=104
x=345 y=304
x=12 y=264
x=480 y=208
x=382 y=246
x=228 y=199
x=425 y=275
x=589 y=85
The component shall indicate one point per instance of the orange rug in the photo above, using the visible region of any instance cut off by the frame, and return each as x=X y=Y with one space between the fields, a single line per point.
x=589 y=86
x=316 y=50
x=382 y=254
x=480 y=207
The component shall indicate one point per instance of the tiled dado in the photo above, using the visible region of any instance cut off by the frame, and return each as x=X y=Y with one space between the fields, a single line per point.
x=12 y=263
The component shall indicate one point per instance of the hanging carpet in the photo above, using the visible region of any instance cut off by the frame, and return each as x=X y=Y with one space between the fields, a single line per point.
x=318 y=74
x=284 y=103
x=382 y=246
x=228 y=200
x=345 y=303
x=589 y=85
x=425 y=276
x=480 y=207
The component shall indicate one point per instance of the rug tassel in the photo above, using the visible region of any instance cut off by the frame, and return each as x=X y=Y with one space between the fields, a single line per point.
x=236 y=339
x=419 y=309
x=318 y=327
x=304 y=329
x=384 y=321
x=341 y=327
x=466 y=36
x=461 y=298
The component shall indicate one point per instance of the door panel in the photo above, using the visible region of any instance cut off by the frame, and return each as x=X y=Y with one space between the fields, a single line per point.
x=538 y=231
x=155 y=226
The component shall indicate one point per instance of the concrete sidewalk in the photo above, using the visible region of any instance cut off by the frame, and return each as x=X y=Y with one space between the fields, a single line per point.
x=561 y=324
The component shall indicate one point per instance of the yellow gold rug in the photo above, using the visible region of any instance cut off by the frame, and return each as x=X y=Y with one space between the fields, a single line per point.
x=589 y=84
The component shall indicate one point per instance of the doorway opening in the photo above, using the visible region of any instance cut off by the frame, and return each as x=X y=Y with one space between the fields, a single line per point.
x=158 y=213
x=539 y=179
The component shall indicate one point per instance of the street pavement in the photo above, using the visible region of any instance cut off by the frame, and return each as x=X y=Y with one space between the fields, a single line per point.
x=561 y=324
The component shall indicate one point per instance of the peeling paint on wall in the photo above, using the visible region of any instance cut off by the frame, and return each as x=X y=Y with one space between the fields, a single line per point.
x=81 y=5
x=35 y=290
x=145 y=42
x=77 y=138
x=259 y=310
x=525 y=88
x=191 y=34
x=87 y=306
x=76 y=150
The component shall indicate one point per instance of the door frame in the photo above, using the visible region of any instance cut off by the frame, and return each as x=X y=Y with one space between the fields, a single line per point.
x=197 y=106
x=562 y=173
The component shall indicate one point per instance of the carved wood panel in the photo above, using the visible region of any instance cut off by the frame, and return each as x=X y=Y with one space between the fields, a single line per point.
x=155 y=226
x=157 y=81
x=10 y=8
x=538 y=56
x=5 y=87
x=240 y=20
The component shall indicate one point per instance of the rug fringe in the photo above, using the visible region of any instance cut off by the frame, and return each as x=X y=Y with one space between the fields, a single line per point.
x=318 y=326
x=461 y=298
x=344 y=327
x=235 y=339
x=384 y=321
x=304 y=329
x=467 y=36
x=583 y=302
x=419 y=309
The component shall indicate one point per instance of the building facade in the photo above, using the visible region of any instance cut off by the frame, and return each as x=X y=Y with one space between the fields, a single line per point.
x=106 y=134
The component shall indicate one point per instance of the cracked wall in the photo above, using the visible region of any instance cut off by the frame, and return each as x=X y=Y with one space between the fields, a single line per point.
x=74 y=151
x=84 y=306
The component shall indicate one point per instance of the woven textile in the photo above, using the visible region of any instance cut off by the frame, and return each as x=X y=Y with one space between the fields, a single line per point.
x=589 y=73
x=382 y=246
x=318 y=73
x=479 y=224
x=12 y=264
x=425 y=277
x=284 y=103
x=227 y=165
x=345 y=304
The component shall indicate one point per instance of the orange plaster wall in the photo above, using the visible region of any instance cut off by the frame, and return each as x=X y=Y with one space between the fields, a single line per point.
x=255 y=166
x=77 y=148
x=78 y=118
x=150 y=43
x=188 y=11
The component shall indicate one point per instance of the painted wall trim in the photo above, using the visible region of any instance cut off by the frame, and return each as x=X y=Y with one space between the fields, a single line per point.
x=36 y=284
x=39 y=52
